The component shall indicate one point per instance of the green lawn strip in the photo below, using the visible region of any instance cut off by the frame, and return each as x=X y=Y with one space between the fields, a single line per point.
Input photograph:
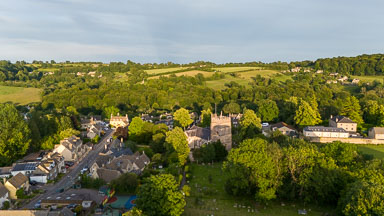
x=376 y=150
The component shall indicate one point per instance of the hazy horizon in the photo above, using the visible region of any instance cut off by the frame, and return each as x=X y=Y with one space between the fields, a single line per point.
x=184 y=31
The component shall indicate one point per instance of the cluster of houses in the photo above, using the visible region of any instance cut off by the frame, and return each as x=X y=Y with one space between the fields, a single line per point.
x=117 y=160
x=40 y=167
x=90 y=73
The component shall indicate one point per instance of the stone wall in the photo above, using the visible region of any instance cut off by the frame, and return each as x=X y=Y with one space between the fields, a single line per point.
x=347 y=140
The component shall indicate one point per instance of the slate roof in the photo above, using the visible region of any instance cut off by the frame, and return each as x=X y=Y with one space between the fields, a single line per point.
x=203 y=133
x=101 y=160
x=3 y=190
x=324 y=129
x=282 y=124
x=342 y=119
x=18 y=180
x=117 y=152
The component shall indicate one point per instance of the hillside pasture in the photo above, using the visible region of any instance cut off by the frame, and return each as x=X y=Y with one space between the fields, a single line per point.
x=164 y=70
x=377 y=151
x=186 y=73
x=369 y=78
x=234 y=69
x=19 y=95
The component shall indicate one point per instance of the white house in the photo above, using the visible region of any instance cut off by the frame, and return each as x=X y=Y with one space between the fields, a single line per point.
x=24 y=168
x=321 y=131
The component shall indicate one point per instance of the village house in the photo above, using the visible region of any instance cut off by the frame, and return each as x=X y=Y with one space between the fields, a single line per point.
x=343 y=122
x=376 y=133
x=4 y=194
x=59 y=159
x=5 y=172
x=100 y=162
x=119 y=121
x=109 y=170
x=343 y=79
x=147 y=118
x=321 y=131
x=24 y=168
x=92 y=73
x=46 y=170
x=319 y=71
x=15 y=183
x=296 y=69
x=93 y=131
x=167 y=122
x=71 y=148
x=197 y=136
x=355 y=81
x=284 y=128
x=88 y=122
x=331 y=81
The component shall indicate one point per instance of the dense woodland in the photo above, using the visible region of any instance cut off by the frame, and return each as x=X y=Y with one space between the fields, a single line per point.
x=260 y=168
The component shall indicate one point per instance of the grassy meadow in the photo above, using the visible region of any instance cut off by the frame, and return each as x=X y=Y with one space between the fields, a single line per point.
x=376 y=150
x=163 y=70
x=208 y=197
x=234 y=69
x=19 y=95
x=369 y=78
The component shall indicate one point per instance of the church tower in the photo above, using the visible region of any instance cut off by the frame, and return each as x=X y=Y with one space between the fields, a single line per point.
x=221 y=129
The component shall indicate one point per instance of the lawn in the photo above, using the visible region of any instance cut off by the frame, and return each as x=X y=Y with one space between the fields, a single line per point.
x=19 y=95
x=163 y=70
x=208 y=197
x=376 y=150
x=234 y=69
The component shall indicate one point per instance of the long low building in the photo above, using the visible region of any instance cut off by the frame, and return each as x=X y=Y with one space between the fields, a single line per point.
x=321 y=131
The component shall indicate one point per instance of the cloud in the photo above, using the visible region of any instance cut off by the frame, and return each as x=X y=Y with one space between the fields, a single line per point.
x=184 y=31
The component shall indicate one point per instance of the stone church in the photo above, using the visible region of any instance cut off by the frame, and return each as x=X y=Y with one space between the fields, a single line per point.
x=221 y=129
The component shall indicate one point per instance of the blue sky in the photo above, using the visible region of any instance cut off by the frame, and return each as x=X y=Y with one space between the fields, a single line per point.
x=186 y=31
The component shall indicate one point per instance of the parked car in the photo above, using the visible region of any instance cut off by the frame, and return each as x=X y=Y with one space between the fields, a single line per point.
x=69 y=163
x=33 y=182
x=85 y=169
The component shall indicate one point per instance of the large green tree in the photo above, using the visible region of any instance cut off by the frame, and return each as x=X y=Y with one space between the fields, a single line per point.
x=267 y=110
x=14 y=135
x=260 y=165
x=135 y=128
x=182 y=117
x=160 y=196
x=179 y=143
x=305 y=115
x=352 y=109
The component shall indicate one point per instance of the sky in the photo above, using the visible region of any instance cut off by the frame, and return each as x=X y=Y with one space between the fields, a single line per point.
x=185 y=31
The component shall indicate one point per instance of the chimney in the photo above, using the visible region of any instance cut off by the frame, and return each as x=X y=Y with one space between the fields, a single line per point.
x=4 y=180
x=105 y=147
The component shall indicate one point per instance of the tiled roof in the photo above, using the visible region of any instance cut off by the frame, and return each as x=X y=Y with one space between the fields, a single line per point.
x=107 y=175
x=18 y=180
x=282 y=124
x=203 y=133
x=341 y=119
x=378 y=130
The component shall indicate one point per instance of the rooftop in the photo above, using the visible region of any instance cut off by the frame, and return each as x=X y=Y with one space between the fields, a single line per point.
x=324 y=129
x=25 y=166
x=341 y=119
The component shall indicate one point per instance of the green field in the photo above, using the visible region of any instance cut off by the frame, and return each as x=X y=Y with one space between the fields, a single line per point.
x=187 y=73
x=234 y=69
x=209 y=197
x=376 y=150
x=369 y=78
x=163 y=70
x=244 y=78
x=19 y=95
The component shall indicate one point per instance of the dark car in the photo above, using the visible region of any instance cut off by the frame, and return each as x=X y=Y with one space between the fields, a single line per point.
x=33 y=182
x=69 y=163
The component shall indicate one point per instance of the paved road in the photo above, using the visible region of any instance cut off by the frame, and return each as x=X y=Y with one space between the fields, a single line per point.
x=69 y=179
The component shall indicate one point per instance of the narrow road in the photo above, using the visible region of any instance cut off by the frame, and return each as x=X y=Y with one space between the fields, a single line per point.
x=70 y=178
